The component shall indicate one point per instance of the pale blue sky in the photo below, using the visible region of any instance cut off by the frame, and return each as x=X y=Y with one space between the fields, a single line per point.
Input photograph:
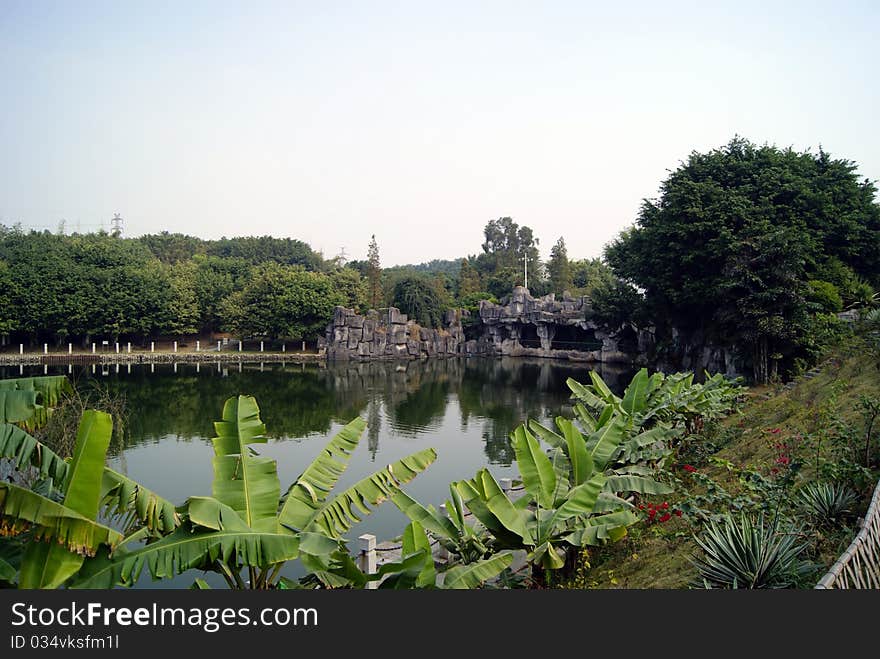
x=416 y=121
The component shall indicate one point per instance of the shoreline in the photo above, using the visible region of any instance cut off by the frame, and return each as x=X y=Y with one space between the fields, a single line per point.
x=56 y=359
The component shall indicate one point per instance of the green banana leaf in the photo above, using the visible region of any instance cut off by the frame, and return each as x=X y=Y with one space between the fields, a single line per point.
x=48 y=565
x=636 y=394
x=416 y=540
x=475 y=574
x=23 y=450
x=581 y=500
x=427 y=517
x=131 y=503
x=308 y=493
x=581 y=460
x=487 y=501
x=184 y=549
x=243 y=480
x=639 y=484
x=340 y=514
x=603 y=444
x=535 y=467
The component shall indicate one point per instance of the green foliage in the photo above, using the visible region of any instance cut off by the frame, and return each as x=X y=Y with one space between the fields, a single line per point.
x=746 y=553
x=725 y=253
x=827 y=504
x=374 y=275
x=824 y=295
x=247 y=524
x=589 y=275
x=419 y=300
x=285 y=302
x=559 y=268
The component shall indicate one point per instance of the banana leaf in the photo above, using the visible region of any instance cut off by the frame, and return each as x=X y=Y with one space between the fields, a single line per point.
x=475 y=574
x=244 y=481
x=307 y=494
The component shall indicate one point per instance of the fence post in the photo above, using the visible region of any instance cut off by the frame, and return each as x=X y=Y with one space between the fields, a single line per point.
x=117 y=347
x=239 y=346
x=218 y=346
x=198 y=347
x=261 y=346
x=304 y=346
x=283 y=347
x=175 y=346
x=93 y=348
x=21 y=348
x=367 y=557
x=45 y=348
x=152 y=346
x=69 y=348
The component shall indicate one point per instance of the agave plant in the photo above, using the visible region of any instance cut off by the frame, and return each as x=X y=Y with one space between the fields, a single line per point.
x=827 y=504
x=748 y=553
x=247 y=524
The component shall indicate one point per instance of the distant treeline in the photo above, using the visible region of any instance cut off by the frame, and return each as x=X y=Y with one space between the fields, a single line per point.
x=59 y=288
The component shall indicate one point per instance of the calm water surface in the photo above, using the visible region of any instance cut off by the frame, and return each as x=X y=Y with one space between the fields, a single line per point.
x=464 y=408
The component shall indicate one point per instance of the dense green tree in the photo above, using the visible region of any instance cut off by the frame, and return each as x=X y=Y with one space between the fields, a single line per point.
x=590 y=274
x=173 y=247
x=468 y=280
x=699 y=252
x=506 y=249
x=374 y=275
x=283 y=302
x=418 y=298
x=350 y=287
x=559 y=268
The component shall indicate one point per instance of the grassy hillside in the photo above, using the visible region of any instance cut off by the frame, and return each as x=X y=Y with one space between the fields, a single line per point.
x=784 y=437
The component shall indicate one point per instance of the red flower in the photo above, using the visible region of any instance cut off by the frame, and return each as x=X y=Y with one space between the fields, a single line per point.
x=651 y=513
x=664 y=505
x=689 y=468
x=775 y=431
x=774 y=470
x=665 y=517
x=783 y=460
x=677 y=513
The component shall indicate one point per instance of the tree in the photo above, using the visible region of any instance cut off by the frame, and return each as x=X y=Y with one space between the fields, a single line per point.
x=589 y=274
x=374 y=275
x=283 y=302
x=468 y=280
x=559 y=268
x=507 y=248
x=695 y=250
x=418 y=298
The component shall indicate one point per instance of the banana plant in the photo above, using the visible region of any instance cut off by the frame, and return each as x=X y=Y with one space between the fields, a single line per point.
x=648 y=400
x=59 y=535
x=467 y=542
x=29 y=401
x=415 y=569
x=246 y=524
x=569 y=502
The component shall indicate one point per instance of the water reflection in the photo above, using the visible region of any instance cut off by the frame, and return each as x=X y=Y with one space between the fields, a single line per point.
x=404 y=400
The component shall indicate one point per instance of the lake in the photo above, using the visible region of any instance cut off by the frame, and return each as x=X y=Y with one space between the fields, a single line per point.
x=464 y=408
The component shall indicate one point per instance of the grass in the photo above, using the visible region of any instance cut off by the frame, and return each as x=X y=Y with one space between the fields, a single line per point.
x=819 y=413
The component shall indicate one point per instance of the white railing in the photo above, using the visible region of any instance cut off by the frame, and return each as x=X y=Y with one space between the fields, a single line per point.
x=859 y=565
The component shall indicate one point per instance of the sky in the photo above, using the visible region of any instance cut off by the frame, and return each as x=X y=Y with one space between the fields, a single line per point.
x=418 y=122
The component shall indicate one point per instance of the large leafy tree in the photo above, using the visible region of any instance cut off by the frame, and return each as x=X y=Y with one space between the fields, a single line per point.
x=506 y=249
x=283 y=302
x=701 y=252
